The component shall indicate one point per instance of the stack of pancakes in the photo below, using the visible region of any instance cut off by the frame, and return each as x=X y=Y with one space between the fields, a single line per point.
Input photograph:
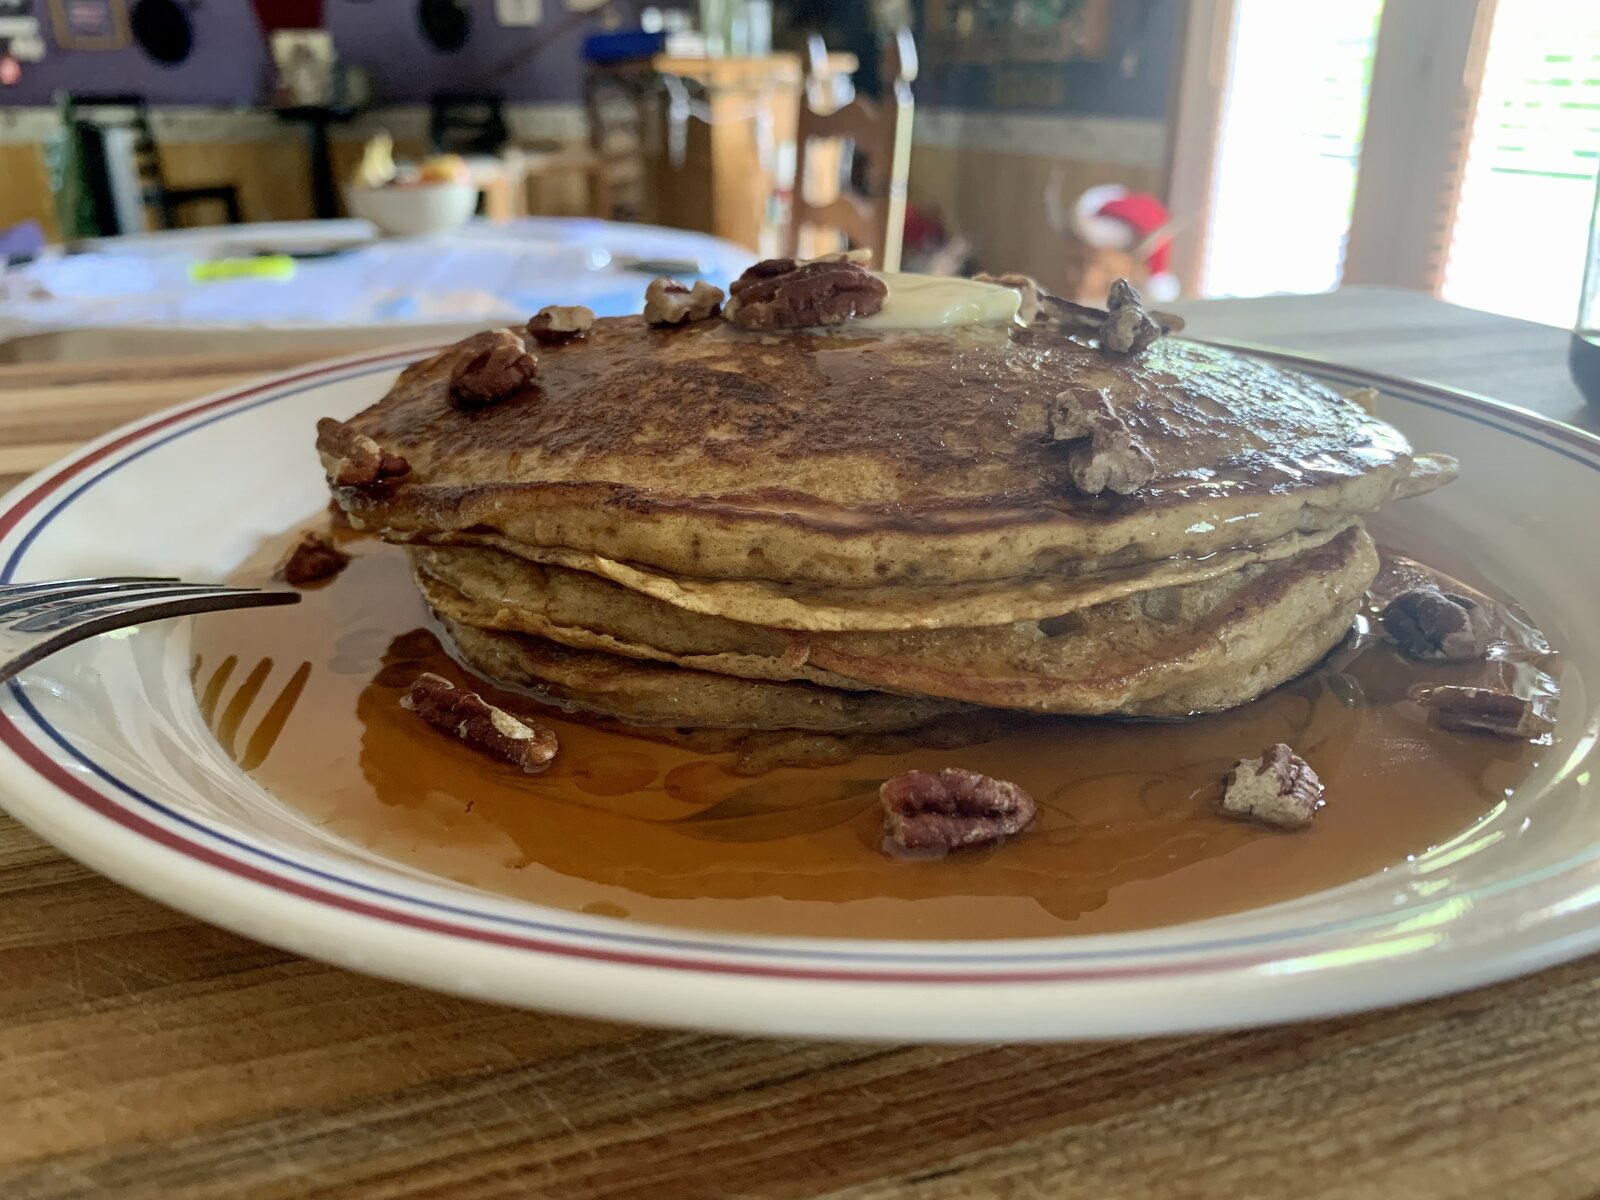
x=871 y=528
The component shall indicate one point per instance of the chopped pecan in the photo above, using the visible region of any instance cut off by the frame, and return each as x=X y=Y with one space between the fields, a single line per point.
x=1103 y=454
x=1068 y=316
x=557 y=323
x=668 y=302
x=1366 y=399
x=1123 y=327
x=490 y=367
x=817 y=293
x=1128 y=329
x=316 y=558
x=1486 y=710
x=1278 y=789
x=478 y=723
x=357 y=460
x=949 y=809
x=1438 y=626
x=1026 y=286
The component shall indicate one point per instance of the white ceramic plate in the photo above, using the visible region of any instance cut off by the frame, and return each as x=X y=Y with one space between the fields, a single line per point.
x=103 y=752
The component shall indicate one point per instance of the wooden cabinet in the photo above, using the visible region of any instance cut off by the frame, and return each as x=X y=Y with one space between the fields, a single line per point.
x=719 y=144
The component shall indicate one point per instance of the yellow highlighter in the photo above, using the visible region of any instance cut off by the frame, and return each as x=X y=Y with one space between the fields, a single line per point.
x=261 y=266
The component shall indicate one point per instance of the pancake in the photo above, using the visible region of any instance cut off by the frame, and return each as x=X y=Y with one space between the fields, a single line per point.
x=888 y=607
x=1168 y=651
x=646 y=693
x=491 y=590
x=849 y=460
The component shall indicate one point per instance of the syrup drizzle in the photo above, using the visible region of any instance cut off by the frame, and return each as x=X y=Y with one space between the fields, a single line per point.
x=306 y=699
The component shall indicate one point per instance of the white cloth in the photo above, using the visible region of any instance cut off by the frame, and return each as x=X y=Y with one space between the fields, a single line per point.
x=483 y=272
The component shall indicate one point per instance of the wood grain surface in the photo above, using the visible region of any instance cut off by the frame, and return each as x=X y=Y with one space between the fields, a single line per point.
x=146 y=1056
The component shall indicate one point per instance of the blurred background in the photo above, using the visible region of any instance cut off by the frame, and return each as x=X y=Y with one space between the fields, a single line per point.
x=417 y=161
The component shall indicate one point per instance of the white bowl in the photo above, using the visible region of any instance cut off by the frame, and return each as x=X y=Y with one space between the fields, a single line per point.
x=417 y=210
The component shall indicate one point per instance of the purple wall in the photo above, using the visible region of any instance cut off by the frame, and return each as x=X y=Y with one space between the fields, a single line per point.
x=229 y=63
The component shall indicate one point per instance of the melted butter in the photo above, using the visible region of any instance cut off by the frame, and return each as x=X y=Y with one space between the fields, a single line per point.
x=934 y=301
x=307 y=699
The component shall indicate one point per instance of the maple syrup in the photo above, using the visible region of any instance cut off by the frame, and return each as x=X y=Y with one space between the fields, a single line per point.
x=306 y=698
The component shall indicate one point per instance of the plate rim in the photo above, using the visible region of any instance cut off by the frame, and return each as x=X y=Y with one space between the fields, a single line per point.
x=50 y=481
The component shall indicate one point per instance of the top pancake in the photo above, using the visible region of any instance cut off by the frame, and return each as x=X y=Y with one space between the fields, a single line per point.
x=850 y=459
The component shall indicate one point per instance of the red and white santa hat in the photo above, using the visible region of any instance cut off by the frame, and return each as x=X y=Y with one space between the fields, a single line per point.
x=1113 y=218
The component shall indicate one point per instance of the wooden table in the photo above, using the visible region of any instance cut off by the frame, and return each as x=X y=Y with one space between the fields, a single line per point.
x=147 y=1056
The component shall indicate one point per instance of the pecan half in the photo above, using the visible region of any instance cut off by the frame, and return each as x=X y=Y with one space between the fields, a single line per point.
x=767 y=268
x=860 y=255
x=1433 y=625
x=811 y=294
x=478 y=723
x=668 y=302
x=355 y=459
x=1103 y=454
x=316 y=558
x=1026 y=286
x=1278 y=789
x=1486 y=710
x=951 y=809
x=490 y=367
x=556 y=323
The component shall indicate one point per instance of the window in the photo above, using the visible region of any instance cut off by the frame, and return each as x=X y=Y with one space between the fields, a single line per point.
x=1528 y=186
x=1294 y=105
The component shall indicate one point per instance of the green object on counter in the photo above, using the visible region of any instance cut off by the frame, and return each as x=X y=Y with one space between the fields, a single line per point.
x=260 y=266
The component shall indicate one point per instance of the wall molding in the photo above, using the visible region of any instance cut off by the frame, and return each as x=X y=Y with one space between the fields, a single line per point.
x=1125 y=141
x=548 y=119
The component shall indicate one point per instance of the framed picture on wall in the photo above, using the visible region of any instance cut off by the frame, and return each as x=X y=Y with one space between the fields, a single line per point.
x=90 y=24
x=996 y=32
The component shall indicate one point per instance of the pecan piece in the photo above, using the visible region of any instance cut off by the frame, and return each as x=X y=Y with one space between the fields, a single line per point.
x=1278 y=789
x=1433 y=625
x=1103 y=454
x=1026 y=286
x=490 y=367
x=1068 y=316
x=1123 y=327
x=668 y=302
x=950 y=809
x=355 y=460
x=316 y=558
x=1486 y=710
x=478 y=723
x=1128 y=329
x=811 y=294
x=556 y=323
x=1366 y=399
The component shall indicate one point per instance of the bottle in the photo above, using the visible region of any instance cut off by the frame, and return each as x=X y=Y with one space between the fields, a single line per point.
x=1584 y=357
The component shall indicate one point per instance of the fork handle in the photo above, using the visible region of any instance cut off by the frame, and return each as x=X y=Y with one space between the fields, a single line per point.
x=21 y=650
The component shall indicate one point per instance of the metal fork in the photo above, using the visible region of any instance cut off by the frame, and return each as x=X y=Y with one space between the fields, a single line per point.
x=37 y=619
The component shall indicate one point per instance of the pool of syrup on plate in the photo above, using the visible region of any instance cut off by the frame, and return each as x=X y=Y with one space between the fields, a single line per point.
x=306 y=698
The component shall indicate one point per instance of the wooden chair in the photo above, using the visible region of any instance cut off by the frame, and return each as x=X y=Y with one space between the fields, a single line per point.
x=89 y=120
x=874 y=216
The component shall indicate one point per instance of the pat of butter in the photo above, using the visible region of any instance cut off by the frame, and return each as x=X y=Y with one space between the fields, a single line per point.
x=932 y=301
